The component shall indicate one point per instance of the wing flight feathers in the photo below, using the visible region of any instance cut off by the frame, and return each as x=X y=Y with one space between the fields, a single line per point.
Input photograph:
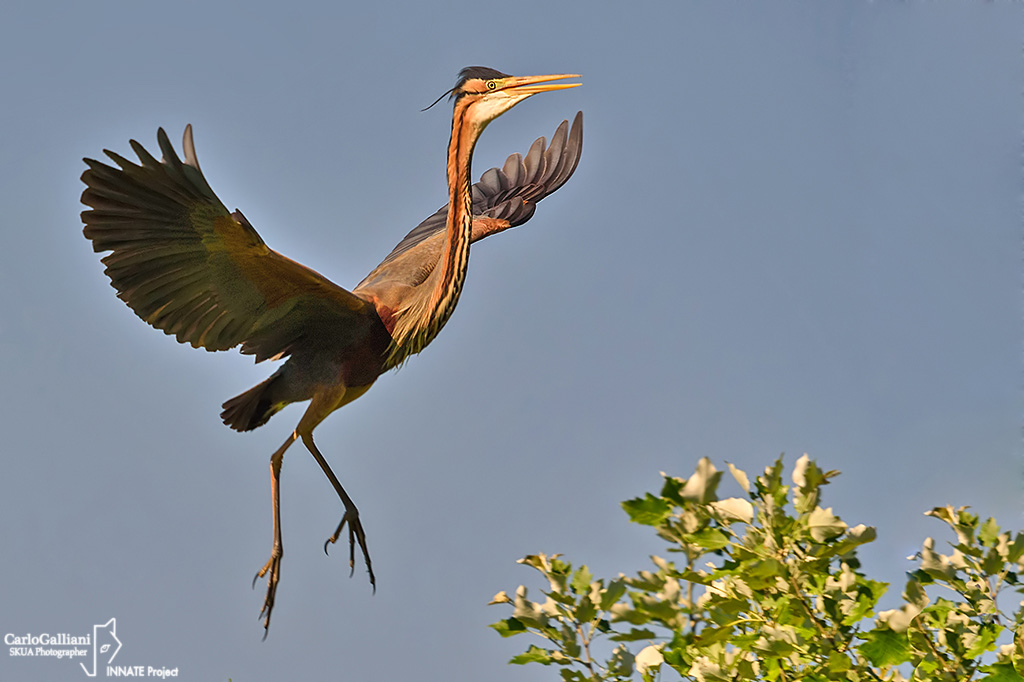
x=508 y=194
x=188 y=267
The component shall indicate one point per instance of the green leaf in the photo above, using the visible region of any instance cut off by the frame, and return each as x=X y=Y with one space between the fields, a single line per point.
x=985 y=640
x=838 y=662
x=989 y=533
x=585 y=610
x=915 y=594
x=934 y=564
x=777 y=640
x=855 y=537
x=709 y=636
x=1017 y=653
x=709 y=539
x=770 y=483
x=671 y=489
x=762 y=573
x=633 y=635
x=621 y=662
x=569 y=642
x=1016 y=548
x=509 y=627
x=538 y=561
x=1000 y=672
x=581 y=580
x=992 y=563
x=613 y=593
x=534 y=654
x=647 y=510
x=884 y=647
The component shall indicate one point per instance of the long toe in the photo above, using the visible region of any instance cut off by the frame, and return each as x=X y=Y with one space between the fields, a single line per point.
x=356 y=535
x=272 y=571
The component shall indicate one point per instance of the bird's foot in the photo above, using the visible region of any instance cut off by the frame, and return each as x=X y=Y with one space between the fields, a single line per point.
x=272 y=571
x=355 y=534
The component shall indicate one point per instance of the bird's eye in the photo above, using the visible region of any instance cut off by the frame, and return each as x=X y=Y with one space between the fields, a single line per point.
x=492 y=84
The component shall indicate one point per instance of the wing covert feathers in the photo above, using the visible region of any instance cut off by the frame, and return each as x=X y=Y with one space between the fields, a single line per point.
x=187 y=266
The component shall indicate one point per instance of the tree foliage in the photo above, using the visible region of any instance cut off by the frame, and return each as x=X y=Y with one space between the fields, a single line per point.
x=767 y=586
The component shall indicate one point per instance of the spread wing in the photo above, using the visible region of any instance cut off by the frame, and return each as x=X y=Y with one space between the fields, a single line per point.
x=504 y=197
x=188 y=267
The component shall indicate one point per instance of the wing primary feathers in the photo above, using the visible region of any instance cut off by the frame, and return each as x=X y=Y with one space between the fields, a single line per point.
x=508 y=193
x=190 y=149
x=188 y=267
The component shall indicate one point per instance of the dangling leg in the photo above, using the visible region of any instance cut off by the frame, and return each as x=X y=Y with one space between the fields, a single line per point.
x=351 y=516
x=323 y=404
x=272 y=569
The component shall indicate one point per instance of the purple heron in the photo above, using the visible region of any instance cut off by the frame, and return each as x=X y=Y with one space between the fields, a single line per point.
x=188 y=267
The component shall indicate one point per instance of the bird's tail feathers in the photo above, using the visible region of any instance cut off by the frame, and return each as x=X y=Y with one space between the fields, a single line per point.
x=253 y=408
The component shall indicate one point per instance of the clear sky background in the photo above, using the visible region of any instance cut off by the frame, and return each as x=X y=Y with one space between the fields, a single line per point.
x=795 y=228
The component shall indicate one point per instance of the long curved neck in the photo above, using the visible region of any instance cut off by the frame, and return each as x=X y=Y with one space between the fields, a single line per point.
x=422 y=320
x=454 y=259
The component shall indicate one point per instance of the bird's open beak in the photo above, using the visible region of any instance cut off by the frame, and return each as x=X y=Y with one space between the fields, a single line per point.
x=529 y=85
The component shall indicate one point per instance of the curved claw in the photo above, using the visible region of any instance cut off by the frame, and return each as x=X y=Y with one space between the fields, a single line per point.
x=272 y=569
x=356 y=534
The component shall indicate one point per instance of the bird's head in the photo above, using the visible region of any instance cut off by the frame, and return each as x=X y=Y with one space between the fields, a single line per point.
x=487 y=93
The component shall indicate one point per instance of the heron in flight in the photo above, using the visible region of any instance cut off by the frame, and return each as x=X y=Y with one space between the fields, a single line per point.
x=190 y=268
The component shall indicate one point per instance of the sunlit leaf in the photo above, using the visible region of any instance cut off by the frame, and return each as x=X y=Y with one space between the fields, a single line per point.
x=735 y=508
x=898 y=620
x=500 y=598
x=650 y=657
x=824 y=525
x=933 y=563
x=701 y=486
x=706 y=670
x=740 y=476
x=538 y=561
x=854 y=537
x=800 y=470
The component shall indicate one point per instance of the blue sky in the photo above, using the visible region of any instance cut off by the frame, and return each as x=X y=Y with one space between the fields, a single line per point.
x=795 y=228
